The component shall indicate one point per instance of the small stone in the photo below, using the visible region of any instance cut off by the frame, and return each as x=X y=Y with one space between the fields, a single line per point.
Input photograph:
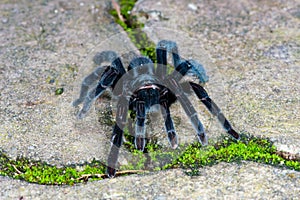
x=31 y=148
x=192 y=7
x=276 y=90
x=4 y=20
x=154 y=15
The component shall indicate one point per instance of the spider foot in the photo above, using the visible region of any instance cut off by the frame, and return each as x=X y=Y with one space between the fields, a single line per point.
x=172 y=137
x=234 y=134
x=81 y=115
x=198 y=70
x=77 y=102
x=202 y=138
x=140 y=143
x=111 y=172
x=84 y=110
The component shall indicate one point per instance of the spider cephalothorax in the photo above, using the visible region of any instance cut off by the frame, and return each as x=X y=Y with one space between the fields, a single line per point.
x=143 y=86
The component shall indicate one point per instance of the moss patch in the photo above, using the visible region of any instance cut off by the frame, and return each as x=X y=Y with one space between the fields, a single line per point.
x=189 y=157
x=248 y=148
x=42 y=173
x=134 y=29
x=59 y=91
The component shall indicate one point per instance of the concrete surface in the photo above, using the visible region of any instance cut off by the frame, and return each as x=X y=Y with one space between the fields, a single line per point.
x=249 y=48
x=223 y=181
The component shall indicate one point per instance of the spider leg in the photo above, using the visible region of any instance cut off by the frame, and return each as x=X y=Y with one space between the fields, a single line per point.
x=140 y=128
x=214 y=109
x=198 y=70
x=88 y=81
x=130 y=122
x=180 y=71
x=172 y=136
x=188 y=108
x=108 y=78
x=117 y=136
x=163 y=47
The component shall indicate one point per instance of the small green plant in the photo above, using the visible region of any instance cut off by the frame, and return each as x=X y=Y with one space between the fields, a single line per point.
x=59 y=91
x=134 y=29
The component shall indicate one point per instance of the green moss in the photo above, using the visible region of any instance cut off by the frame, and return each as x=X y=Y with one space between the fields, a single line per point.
x=248 y=148
x=191 y=158
x=134 y=29
x=42 y=173
x=59 y=91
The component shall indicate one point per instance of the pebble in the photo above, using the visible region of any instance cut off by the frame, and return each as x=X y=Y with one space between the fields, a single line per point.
x=4 y=20
x=192 y=7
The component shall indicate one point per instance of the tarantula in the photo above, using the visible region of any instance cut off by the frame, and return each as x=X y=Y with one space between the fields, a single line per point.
x=144 y=86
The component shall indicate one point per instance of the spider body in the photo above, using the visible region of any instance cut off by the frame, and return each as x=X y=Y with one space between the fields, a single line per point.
x=143 y=87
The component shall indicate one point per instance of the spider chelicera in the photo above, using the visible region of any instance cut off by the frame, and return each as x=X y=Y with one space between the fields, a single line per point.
x=144 y=86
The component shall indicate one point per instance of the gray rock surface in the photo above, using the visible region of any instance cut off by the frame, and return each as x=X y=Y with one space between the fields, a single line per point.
x=223 y=181
x=249 y=48
x=45 y=46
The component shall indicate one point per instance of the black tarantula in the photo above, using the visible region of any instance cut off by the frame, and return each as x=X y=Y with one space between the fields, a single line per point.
x=144 y=86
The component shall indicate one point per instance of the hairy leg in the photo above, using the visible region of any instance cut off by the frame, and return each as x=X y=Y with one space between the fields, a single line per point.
x=117 y=136
x=169 y=125
x=140 y=127
x=87 y=83
x=106 y=80
x=91 y=79
x=189 y=109
x=198 y=70
x=162 y=49
x=214 y=109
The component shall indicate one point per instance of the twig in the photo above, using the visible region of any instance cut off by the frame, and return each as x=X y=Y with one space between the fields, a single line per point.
x=117 y=8
x=86 y=176
x=17 y=170
x=288 y=156
x=130 y=172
